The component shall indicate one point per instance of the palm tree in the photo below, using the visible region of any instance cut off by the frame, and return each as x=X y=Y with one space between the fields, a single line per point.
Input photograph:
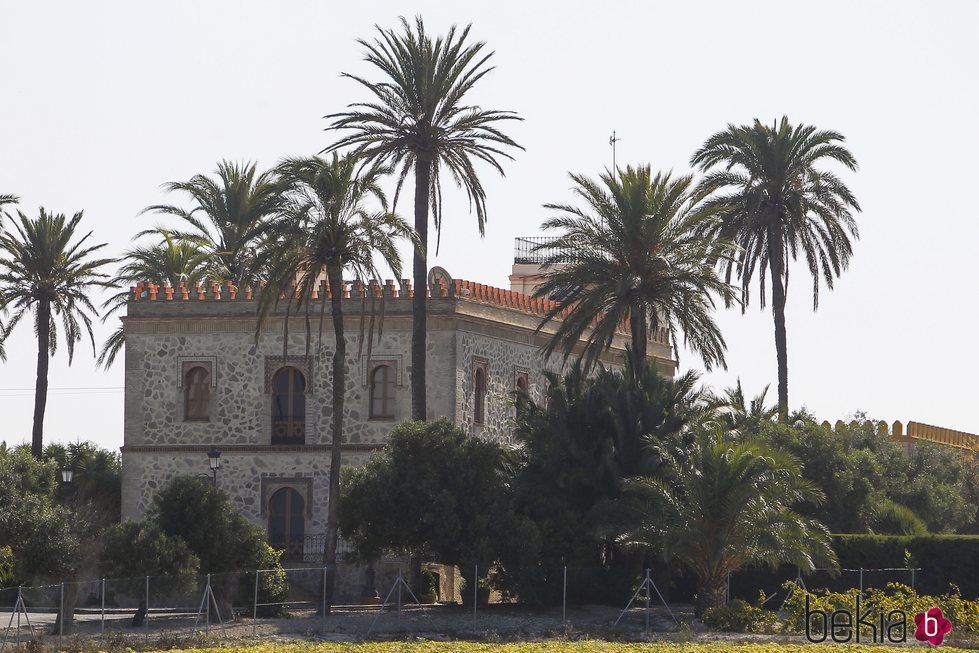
x=419 y=122
x=632 y=254
x=228 y=218
x=168 y=262
x=771 y=200
x=42 y=271
x=4 y=199
x=736 y=413
x=728 y=504
x=327 y=228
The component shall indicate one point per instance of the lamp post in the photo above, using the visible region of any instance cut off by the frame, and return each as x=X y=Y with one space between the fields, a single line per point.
x=67 y=475
x=214 y=460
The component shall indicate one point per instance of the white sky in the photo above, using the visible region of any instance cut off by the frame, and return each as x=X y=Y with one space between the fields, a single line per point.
x=101 y=102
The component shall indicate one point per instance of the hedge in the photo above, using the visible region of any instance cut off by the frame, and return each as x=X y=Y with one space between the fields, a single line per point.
x=943 y=560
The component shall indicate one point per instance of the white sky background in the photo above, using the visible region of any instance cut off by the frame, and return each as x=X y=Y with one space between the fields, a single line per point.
x=102 y=102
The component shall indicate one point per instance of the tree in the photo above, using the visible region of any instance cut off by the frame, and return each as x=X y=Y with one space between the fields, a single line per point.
x=419 y=122
x=195 y=511
x=168 y=262
x=97 y=483
x=327 y=228
x=728 y=504
x=466 y=512
x=229 y=217
x=575 y=452
x=769 y=197
x=134 y=550
x=632 y=255
x=41 y=535
x=738 y=414
x=43 y=272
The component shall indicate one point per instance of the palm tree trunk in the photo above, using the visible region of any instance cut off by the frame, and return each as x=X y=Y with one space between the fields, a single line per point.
x=777 y=265
x=637 y=326
x=41 y=387
x=711 y=593
x=419 y=329
x=339 y=387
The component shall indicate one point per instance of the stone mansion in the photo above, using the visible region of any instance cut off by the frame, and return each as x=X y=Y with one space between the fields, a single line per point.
x=198 y=378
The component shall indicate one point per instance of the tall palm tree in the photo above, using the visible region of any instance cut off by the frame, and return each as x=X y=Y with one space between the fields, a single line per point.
x=42 y=271
x=632 y=254
x=327 y=227
x=727 y=504
x=167 y=262
x=418 y=122
x=4 y=199
x=228 y=217
x=770 y=198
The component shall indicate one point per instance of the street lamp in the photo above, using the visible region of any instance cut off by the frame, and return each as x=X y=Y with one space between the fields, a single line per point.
x=67 y=475
x=214 y=460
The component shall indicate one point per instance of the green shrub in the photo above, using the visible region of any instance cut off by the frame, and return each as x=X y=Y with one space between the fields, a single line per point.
x=740 y=617
x=963 y=613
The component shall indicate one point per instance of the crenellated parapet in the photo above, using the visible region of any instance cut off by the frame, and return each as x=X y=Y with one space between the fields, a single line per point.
x=916 y=431
x=440 y=286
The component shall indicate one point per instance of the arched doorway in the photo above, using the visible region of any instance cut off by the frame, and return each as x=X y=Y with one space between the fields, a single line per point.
x=287 y=523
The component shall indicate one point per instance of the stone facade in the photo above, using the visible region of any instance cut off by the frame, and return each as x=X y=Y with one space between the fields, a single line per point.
x=171 y=331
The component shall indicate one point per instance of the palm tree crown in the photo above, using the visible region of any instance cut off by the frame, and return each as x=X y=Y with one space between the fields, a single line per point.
x=632 y=255
x=769 y=198
x=418 y=121
x=169 y=262
x=46 y=270
x=228 y=217
x=726 y=504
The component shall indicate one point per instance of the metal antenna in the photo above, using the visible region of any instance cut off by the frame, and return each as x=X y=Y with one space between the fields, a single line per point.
x=612 y=140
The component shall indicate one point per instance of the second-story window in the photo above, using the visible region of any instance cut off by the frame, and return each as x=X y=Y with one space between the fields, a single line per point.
x=288 y=407
x=197 y=394
x=382 y=392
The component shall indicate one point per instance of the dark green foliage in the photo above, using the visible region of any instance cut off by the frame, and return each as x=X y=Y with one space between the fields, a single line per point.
x=435 y=491
x=577 y=450
x=871 y=484
x=133 y=550
x=944 y=559
x=41 y=534
x=739 y=616
x=195 y=511
x=97 y=481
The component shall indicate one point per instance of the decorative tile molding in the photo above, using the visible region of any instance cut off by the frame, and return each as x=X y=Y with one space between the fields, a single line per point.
x=185 y=363
x=271 y=484
x=302 y=363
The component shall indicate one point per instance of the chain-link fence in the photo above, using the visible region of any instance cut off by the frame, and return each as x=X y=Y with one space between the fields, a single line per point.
x=385 y=598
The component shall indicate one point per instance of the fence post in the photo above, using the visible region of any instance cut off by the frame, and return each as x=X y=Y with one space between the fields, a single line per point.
x=207 y=599
x=475 y=592
x=648 y=592
x=146 y=621
x=399 y=583
x=912 y=578
x=324 y=593
x=255 y=606
x=61 y=614
x=861 y=581
x=564 y=598
x=102 y=628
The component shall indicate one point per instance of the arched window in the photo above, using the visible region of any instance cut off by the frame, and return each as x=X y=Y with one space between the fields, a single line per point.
x=288 y=407
x=197 y=394
x=479 y=409
x=522 y=392
x=287 y=523
x=382 y=392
